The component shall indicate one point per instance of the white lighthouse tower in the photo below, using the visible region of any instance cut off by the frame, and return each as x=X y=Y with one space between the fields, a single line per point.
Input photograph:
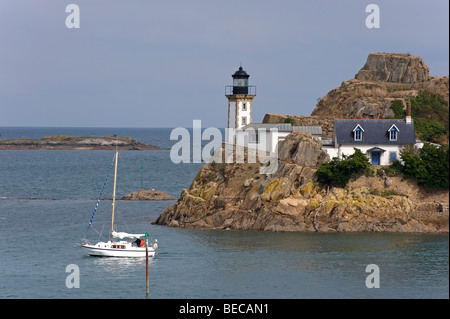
x=240 y=99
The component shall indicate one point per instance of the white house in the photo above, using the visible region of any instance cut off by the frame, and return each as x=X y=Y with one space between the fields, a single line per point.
x=258 y=135
x=380 y=139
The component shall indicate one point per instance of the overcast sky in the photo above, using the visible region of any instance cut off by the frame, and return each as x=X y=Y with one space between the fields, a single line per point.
x=166 y=63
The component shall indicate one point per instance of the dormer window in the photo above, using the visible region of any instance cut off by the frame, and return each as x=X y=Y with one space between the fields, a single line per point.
x=357 y=133
x=393 y=132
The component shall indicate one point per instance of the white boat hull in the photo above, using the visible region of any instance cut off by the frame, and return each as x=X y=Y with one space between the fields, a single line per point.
x=117 y=249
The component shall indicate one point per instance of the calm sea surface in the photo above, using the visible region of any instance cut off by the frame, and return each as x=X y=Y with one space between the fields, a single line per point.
x=47 y=199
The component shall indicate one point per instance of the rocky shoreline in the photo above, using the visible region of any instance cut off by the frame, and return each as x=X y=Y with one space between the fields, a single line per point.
x=236 y=196
x=75 y=143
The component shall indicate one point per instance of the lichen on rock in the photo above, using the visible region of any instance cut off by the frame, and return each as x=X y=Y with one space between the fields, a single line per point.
x=236 y=196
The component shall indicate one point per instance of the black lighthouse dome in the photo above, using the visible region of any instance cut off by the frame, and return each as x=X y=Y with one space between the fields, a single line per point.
x=240 y=74
x=240 y=81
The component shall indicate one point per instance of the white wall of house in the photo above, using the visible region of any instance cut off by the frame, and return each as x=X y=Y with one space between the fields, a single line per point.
x=266 y=139
x=331 y=150
x=385 y=157
x=263 y=141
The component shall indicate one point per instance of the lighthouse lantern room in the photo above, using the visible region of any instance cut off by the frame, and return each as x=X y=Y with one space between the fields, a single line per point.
x=240 y=98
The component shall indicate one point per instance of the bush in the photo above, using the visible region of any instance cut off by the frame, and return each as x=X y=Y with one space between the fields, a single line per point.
x=338 y=172
x=429 y=166
x=429 y=129
x=431 y=115
x=290 y=120
x=397 y=108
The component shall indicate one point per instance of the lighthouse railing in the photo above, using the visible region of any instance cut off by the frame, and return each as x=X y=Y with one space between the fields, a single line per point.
x=229 y=90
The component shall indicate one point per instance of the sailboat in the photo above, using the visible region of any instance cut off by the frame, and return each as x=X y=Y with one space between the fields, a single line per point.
x=114 y=248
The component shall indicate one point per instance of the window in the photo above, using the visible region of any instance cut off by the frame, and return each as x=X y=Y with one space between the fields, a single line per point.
x=254 y=137
x=392 y=156
x=244 y=120
x=358 y=134
x=393 y=135
x=244 y=107
x=393 y=130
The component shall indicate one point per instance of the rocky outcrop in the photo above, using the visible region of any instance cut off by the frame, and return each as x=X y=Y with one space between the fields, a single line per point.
x=75 y=143
x=237 y=196
x=392 y=67
x=385 y=77
x=149 y=194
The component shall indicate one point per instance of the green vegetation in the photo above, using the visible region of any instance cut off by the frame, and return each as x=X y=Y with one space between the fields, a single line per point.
x=385 y=193
x=430 y=113
x=397 y=107
x=429 y=165
x=290 y=120
x=431 y=116
x=429 y=130
x=338 y=172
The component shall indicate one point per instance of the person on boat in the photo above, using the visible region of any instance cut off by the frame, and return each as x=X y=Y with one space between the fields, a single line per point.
x=138 y=242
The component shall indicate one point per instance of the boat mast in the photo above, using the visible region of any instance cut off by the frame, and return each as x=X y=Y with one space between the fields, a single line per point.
x=114 y=197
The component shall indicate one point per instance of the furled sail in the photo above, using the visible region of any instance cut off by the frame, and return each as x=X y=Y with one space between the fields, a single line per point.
x=122 y=235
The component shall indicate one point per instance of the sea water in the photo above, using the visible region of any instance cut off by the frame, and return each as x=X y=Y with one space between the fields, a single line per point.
x=47 y=199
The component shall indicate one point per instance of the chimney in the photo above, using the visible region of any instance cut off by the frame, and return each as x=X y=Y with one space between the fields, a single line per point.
x=408 y=112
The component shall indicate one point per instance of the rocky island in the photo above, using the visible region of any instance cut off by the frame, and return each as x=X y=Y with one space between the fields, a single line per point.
x=75 y=143
x=148 y=194
x=237 y=196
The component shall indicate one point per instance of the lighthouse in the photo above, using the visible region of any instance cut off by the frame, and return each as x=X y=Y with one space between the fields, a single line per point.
x=240 y=99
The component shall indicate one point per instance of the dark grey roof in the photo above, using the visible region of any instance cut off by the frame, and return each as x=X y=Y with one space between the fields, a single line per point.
x=313 y=130
x=375 y=131
x=284 y=127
